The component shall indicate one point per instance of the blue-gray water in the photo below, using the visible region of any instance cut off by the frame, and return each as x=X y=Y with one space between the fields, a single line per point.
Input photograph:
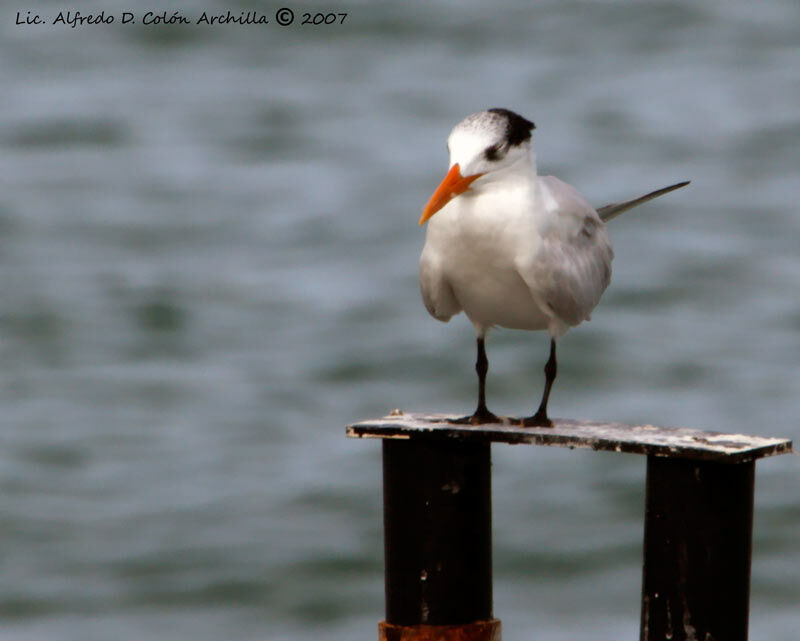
x=208 y=249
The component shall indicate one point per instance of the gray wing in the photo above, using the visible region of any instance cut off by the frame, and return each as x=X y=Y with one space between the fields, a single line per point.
x=572 y=267
x=437 y=294
x=613 y=210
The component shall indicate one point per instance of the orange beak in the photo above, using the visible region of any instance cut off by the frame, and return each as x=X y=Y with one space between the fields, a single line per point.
x=452 y=185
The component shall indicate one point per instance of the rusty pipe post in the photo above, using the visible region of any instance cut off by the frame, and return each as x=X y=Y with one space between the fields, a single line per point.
x=698 y=523
x=438 y=541
x=697 y=550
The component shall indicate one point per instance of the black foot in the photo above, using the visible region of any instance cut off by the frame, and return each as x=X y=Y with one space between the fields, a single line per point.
x=480 y=417
x=537 y=420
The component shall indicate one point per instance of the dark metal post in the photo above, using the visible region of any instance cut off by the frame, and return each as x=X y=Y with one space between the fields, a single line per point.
x=437 y=516
x=697 y=550
x=438 y=542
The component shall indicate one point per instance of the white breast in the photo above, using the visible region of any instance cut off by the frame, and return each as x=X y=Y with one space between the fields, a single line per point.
x=473 y=247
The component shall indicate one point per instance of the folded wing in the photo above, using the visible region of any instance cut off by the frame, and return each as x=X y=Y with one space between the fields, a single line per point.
x=437 y=294
x=613 y=210
x=571 y=269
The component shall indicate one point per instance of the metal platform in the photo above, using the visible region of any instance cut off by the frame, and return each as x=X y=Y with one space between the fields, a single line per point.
x=698 y=522
x=670 y=442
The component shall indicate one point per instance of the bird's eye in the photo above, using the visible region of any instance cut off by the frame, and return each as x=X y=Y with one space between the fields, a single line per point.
x=495 y=152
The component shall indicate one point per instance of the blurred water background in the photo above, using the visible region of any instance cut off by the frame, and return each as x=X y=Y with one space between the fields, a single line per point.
x=208 y=253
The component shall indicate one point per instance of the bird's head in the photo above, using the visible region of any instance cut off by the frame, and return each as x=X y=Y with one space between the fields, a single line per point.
x=480 y=145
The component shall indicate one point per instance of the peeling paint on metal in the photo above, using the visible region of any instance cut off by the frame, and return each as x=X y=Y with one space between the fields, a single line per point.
x=608 y=436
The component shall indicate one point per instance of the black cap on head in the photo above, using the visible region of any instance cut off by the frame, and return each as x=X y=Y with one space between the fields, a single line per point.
x=518 y=129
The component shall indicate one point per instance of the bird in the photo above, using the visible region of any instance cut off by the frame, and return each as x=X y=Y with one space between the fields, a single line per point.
x=511 y=248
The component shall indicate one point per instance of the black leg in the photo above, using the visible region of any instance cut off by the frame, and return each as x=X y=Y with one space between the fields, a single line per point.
x=482 y=414
x=481 y=367
x=550 y=370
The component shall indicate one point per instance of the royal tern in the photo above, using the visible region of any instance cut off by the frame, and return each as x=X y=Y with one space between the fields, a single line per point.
x=511 y=248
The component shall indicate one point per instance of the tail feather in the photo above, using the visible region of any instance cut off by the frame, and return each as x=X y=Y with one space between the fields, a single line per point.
x=613 y=210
